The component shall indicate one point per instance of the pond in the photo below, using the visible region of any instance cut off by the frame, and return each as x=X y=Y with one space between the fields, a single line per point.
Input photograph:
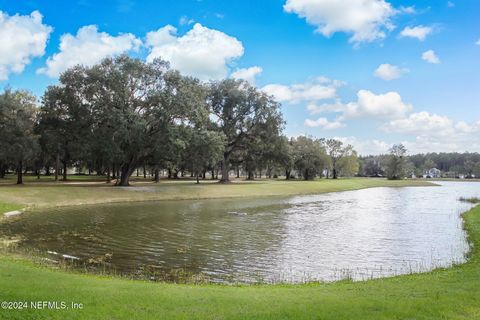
x=358 y=234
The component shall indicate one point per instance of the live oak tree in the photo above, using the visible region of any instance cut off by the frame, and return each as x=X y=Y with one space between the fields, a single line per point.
x=205 y=148
x=65 y=121
x=309 y=156
x=240 y=110
x=18 y=143
x=285 y=155
x=136 y=103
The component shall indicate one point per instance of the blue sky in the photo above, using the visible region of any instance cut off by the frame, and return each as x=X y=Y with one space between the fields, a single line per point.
x=351 y=70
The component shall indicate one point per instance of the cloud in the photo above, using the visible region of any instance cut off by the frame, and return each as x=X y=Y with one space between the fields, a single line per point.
x=23 y=38
x=247 y=74
x=409 y=10
x=320 y=88
x=423 y=132
x=184 y=20
x=324 y=123
x=421 y=123
x=478 y=42
x=368 y=105
x=366 y=20
x=87 y=47
x=202 y=52
x=366 y=146
x=418 y=32
x=450 y=4
x=430 y=56
x=389 y=72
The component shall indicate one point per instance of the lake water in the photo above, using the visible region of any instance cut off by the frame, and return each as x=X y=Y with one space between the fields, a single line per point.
x=359 y=234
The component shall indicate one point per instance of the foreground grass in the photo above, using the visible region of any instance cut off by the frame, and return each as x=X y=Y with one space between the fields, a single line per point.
x=45 y=194
x=441 y=294
x=6 y=207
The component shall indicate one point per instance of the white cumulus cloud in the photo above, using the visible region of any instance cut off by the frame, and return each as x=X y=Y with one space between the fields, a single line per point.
x=324 y=123
x=247 y=74
x=22 y=38
x=320 y=88
x=420 y=123
x=418 y=32
x=366 y=20
x=202 y=52
x=389 y=72
x=430 y=56
x=366 y=146
x=368 y=105
x=87 y=47
x=478 y=42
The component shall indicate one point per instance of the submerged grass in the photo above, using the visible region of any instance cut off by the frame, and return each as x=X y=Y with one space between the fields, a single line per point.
x=473 y=200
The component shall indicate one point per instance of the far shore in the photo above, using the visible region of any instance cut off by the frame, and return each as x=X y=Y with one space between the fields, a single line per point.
x=44 y=194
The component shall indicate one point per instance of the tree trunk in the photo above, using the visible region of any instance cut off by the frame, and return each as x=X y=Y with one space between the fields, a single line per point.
x=20 y=172
x=64 y=178
x=144 y=172
x=335 y=173
x=169 y=173
x=198 y=180
x=126 y=171
x=238 y=172
x=108 y=175
x=2 y=171
x=57 y=166
x=225 y=168
x=114 y=172
x=250 y=175
x=287 y=174
x=213 y=174
x=157 y=176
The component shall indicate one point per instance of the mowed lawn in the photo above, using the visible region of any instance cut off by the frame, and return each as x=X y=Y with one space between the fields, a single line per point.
x=452 y=293
x=80 y=190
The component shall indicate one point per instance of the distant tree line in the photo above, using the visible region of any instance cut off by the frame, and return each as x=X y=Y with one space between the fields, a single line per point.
x=397 y=164
x=124 y=115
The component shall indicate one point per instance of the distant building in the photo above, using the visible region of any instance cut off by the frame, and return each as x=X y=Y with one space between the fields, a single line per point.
x=432 y=173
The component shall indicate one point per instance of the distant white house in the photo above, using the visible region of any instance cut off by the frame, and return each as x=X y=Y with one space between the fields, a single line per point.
x=432 y=173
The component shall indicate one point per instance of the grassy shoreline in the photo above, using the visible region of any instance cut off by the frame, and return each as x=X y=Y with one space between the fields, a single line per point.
x=51 y=194
x=451 y=293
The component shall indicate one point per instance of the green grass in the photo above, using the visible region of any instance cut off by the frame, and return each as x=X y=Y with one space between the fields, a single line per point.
x=46 y=194
x=452 y=293
x=6 y=207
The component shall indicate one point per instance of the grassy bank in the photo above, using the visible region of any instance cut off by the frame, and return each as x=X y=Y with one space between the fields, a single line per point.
x=47 y=193
x=441 y=294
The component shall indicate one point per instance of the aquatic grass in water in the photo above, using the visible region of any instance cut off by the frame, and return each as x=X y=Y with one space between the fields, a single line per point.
x=474 y=200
